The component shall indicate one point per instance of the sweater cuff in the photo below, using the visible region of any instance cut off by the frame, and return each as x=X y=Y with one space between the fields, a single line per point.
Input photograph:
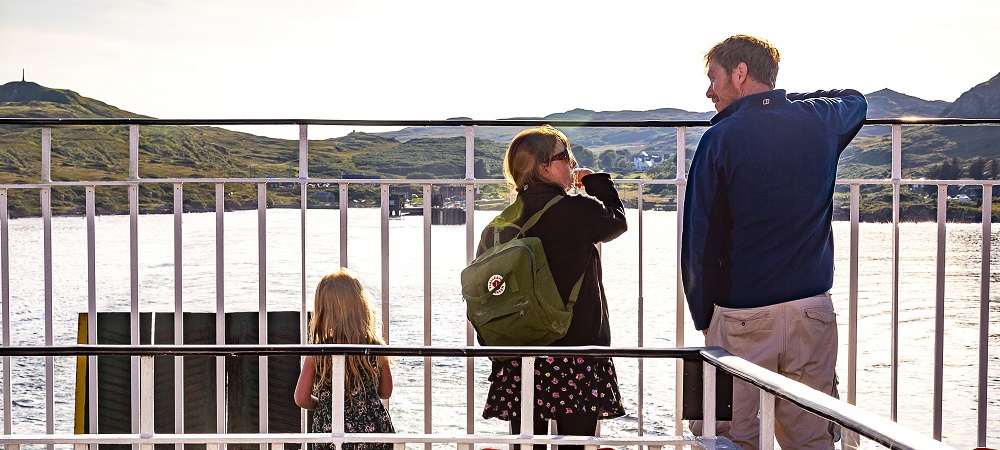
x=597 y=180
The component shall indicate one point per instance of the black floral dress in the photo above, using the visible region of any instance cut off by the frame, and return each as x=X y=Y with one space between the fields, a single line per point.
x=563 y=385
x=363 y=413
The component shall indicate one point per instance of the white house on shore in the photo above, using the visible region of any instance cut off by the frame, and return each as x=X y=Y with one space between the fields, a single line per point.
x=645 y=161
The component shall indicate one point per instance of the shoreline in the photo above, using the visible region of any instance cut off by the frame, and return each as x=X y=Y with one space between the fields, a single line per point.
x=907 y=215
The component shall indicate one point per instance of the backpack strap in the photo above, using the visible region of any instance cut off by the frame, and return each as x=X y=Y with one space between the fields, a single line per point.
x=538 y=215
x=575 y=292
x=517 y=206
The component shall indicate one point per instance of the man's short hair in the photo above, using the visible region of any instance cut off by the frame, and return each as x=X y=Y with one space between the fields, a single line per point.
x=759 y=55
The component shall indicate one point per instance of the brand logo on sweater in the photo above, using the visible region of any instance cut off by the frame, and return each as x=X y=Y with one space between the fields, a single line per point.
x=767 y=101
x=496 y=285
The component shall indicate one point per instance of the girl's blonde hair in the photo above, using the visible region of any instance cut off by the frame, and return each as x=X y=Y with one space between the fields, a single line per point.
x=527 y=151
x=343 y=315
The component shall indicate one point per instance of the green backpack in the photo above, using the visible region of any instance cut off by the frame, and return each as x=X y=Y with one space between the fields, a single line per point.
x=509 y=291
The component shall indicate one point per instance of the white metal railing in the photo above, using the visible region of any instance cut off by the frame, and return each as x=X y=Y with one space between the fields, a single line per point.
x=45 y=185
x=771 y=385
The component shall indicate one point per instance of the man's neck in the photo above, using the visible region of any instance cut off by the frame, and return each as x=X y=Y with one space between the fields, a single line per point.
x=752 y=87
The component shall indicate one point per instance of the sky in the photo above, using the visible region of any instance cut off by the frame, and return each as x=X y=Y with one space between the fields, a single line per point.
x=408 y=59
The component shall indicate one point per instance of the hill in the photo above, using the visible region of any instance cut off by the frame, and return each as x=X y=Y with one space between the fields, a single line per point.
x=926 y=147
x=887 y=103
x=982 y=101
x=100 y=153
x=594 y=139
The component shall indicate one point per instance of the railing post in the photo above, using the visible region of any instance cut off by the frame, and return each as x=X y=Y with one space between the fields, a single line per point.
x=47 y=262
x=303 y=207
x=984 y=316
x=942 y=238
x=45 y=199
x=708 y=399
x=527 y=396
x=640 y=318
x=5 y=306
x=146 y=393
x=384 y=198
x=851 y=439
x=766 y=420
x=428 y=316
x=220 y=310
x=303 y=151
x=897 y=150
x=178 y=313
x=133 y=211
x=343 y=204
x=262 y=367
x=46 y=155
x=337 y=370
x=133 y=152
x=92 y=309
x=681 y=188
x=470 y=242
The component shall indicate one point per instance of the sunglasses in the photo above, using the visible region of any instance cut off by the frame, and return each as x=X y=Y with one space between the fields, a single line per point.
x=561 y=156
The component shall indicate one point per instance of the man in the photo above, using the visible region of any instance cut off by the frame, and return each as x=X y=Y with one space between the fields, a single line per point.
x=757 y=246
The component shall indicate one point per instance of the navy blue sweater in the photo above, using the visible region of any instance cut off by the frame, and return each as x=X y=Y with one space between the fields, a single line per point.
x=760 y=200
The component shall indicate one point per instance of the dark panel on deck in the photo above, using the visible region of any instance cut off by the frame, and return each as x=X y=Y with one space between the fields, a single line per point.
x=199 y=377
x=242 y=386
x=114 y=385
x=163 y=378
x=693 y=391
x=242 y=377
x=283 y=371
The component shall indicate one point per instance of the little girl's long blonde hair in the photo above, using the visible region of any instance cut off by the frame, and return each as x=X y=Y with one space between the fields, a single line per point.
x=343 y=315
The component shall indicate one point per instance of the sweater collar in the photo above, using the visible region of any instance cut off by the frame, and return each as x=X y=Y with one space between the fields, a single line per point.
x=541 y=189
x=760 y=100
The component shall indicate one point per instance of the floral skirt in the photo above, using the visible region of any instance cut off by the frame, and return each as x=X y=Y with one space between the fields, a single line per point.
x=563 y=385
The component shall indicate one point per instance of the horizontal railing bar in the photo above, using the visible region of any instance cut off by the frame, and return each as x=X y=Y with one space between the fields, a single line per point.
x=872 y=426
x=354 y=122
x=526 y=122
x=345 y=349
x=963 y=181
x=436 y=182
x=249 y=438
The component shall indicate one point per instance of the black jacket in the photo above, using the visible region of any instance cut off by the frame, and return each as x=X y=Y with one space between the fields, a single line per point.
x=568 y=231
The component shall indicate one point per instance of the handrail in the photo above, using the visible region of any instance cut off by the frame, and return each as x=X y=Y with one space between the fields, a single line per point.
x=872 y=426
x=467 y=441
x=449 y=122
x=691 y=353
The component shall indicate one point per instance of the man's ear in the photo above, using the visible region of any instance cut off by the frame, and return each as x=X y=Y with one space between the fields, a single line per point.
x=740 y=73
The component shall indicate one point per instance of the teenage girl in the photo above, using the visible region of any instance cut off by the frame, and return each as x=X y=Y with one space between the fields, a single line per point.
x=343 y=315
x=575 y=392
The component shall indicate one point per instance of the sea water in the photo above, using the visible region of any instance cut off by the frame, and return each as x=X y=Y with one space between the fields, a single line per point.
x=405 y=302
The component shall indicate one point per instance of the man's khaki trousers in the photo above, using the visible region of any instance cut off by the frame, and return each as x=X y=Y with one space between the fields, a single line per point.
x=797 y=339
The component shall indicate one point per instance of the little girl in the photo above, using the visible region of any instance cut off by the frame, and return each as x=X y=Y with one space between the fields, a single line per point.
x=343 y=315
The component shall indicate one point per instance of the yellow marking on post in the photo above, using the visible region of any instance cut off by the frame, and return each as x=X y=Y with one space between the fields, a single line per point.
x=79 y=415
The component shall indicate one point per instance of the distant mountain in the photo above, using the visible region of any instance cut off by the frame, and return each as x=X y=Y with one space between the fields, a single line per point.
x=884 y=103
x=888 y=103
x=101 y=152
x=27 y=99
x=982 y=101
x=927 y=145
x=595 y=139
